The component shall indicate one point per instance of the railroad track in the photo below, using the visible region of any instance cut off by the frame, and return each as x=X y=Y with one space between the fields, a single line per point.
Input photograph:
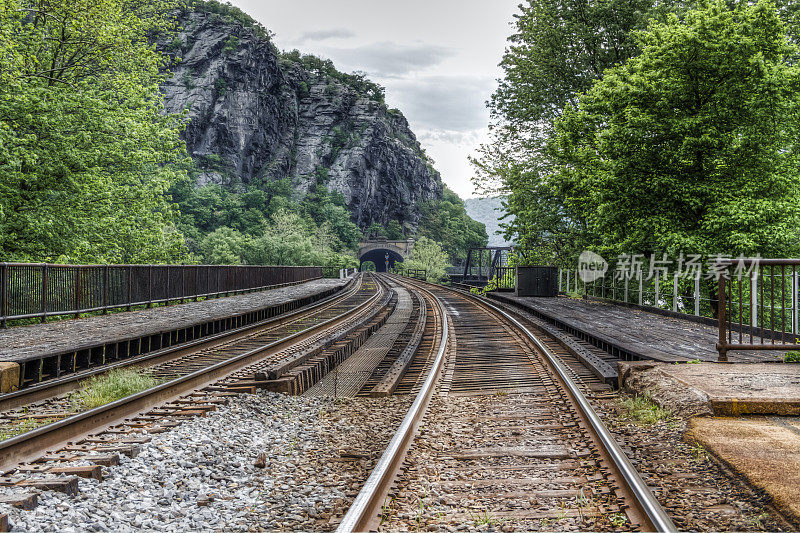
x=195 y=381
x=507 y=438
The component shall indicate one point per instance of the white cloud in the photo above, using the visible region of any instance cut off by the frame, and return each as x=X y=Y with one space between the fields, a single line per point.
x=390 y=59
x=444 y=103
x=324 y=35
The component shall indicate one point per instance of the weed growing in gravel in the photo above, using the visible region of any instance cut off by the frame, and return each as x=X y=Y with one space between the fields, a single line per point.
x=642 y=410
x=699 y=453
x=586 y=506
x=483 y=517
x=18 y=427
x=111 y=386
x=618 y=520
x=757 y=521
x=389 y=510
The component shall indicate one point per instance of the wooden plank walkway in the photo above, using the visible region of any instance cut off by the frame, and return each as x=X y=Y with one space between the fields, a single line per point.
x=22 y=343
x=631 y=333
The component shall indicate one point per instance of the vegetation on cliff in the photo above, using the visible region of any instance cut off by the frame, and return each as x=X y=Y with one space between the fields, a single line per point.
x=95 y=166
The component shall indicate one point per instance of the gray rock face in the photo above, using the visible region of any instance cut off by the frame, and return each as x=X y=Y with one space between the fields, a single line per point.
x=254 y=118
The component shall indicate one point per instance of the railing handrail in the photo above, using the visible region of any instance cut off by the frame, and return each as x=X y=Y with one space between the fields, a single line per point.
x=29 y=290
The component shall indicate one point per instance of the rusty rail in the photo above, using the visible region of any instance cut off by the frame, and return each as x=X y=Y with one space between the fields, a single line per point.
x=757 y=305
x=41 y=290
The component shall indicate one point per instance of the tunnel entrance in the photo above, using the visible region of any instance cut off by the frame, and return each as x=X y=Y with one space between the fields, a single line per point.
x=378 y=256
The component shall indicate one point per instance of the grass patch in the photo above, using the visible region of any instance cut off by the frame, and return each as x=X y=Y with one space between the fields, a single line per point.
x=111 y=386
x=97 y=391
x=642 y=410
x=792 y=357
x=18 y=427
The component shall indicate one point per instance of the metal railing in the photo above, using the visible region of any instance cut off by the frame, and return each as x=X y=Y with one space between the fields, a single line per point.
x=757 y=305
x=505 y=278
x=40 y=290
x=664 y=291
x=417 y=273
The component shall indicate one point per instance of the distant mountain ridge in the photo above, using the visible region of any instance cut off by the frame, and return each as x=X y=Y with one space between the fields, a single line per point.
x=489 y=211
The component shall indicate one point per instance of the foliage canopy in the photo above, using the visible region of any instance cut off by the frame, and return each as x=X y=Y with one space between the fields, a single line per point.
x=86 y=153
x=645 y=126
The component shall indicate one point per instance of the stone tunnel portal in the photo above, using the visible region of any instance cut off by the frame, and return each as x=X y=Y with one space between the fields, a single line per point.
x=378 y=256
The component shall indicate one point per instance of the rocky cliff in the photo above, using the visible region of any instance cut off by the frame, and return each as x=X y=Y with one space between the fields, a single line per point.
x=256 y=115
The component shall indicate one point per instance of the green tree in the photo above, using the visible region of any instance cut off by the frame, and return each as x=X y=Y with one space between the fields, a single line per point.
x=223 y=246
x=431 y=257
x=559 y=48
x=447 y=222
x=375 y=230
x=693 y=145
x=394 y=231
x=86 y=153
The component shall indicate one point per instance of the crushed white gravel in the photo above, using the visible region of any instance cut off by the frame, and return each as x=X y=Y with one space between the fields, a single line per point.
x=201 y=474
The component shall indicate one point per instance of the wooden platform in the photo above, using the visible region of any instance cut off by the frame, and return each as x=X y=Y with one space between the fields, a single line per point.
x=45 y=351
x=632 y=334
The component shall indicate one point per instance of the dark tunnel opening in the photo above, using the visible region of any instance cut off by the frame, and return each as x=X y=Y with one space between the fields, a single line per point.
x=379 y=257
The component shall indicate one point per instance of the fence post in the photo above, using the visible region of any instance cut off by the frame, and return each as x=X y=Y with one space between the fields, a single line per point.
x=640 y=287
x=77 y=296
x=567 y=280
x=754 y=299
x=657 y=290
x=44 y=293
x=130 y=286
x=675 y=293
x=794 y=303
x=150 y=286
x=105 y=289
x=4 y=293
x=721 y=309
x=627 y=281
x=183 y=281
x=559 y=280
x=614 y=288
x=576 y=280
x=697 y=294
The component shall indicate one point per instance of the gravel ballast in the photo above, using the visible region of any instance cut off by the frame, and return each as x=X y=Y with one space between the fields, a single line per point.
x=201 y=474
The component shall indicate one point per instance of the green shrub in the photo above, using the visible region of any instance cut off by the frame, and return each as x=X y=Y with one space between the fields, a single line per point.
x=231 y=45
x=792 y=357
x=642 y=410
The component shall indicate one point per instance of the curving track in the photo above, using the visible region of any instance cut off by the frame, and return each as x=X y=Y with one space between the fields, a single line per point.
x=507 y=439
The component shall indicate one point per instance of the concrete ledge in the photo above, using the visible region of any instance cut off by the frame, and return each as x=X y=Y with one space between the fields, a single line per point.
x=765 y=451
x=9 y=377
x=716 y=388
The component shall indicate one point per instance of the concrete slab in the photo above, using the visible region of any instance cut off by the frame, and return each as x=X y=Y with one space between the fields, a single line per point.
x=717 y=388
x=766 y=451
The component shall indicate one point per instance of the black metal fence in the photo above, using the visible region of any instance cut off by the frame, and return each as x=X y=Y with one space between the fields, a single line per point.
x=416 y=273
x=757 y=305
x=38 y=290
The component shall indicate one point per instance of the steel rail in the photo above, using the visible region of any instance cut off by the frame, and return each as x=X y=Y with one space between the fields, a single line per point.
x=659 y=519
x=53 y=387
x=32 y=443
x=365 y=507
x=652 y=510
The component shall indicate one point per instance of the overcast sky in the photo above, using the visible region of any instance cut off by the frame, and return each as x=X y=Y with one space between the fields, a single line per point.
x=437 y=59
